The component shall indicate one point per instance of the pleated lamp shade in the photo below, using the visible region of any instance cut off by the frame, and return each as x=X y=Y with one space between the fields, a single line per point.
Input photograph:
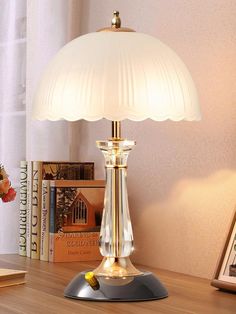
x=116 y=75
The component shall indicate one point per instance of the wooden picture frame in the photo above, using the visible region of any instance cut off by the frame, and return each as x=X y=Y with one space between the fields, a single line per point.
x=225 y=274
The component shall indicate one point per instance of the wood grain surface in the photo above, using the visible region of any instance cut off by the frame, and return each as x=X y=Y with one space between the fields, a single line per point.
x=43 y=292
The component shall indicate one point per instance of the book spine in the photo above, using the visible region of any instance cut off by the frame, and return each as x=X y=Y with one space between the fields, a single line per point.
x=88 y=171
x=23 y=208
x=52 y=222
x=36 y=208
x=29 y=209
x=45 y=220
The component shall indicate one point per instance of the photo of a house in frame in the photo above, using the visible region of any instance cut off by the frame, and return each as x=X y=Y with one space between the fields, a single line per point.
x=79 y=208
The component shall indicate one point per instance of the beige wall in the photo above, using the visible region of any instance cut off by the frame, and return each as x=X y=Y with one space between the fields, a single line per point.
x=182 y=176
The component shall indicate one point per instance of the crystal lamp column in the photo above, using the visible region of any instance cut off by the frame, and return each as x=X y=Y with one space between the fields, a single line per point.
x=116 y=236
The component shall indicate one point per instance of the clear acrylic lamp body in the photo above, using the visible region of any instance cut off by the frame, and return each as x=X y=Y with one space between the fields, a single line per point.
x=116 y=238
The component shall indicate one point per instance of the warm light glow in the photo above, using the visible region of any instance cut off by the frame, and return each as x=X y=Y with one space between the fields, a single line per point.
x=194 y=216
x=124 y=75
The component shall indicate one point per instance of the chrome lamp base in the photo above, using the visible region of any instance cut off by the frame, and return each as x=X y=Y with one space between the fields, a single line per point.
x=142 y=287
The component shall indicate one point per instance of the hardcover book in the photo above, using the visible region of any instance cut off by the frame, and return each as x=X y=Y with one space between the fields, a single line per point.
x=43 y=170
x=23 y=208
x=29 y=208
x=75 y=219
x=11 y=277
x=44 y=235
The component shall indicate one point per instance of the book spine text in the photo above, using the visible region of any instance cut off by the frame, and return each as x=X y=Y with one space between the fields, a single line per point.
x=36 y=208
x=44 y=236
x=23 y=208
x=29 y=209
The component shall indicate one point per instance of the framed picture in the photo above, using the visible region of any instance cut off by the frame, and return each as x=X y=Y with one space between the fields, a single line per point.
x=225 y=275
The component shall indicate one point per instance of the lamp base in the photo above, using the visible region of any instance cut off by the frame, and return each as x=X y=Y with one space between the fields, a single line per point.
x=142 y=287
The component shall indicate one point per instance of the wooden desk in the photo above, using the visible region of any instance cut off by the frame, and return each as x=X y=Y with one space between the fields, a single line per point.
x=43 y=293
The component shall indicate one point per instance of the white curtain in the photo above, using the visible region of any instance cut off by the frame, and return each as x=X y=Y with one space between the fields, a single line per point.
x=12 y=109
x=31 y=32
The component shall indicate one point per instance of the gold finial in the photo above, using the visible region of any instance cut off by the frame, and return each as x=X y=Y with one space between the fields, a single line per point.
x=115 y=25
x=116 y=21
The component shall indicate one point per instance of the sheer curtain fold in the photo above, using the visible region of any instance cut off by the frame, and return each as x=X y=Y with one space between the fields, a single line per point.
x=12 y=109
x=31 y=32
x=49 y=26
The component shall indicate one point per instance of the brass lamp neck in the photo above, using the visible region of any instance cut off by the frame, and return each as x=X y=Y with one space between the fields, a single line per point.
x=116 y=130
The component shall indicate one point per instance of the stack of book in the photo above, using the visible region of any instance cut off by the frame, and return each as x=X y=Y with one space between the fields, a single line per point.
x=11 y=277
x=60 y=211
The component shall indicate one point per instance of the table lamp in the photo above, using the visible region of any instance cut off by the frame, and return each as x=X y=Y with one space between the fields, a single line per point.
x=116 y=74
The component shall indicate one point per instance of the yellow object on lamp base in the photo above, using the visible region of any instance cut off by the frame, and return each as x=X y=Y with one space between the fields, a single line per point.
x=92 y=280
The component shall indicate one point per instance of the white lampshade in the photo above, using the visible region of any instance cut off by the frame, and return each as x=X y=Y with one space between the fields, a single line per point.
x=116 y=75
